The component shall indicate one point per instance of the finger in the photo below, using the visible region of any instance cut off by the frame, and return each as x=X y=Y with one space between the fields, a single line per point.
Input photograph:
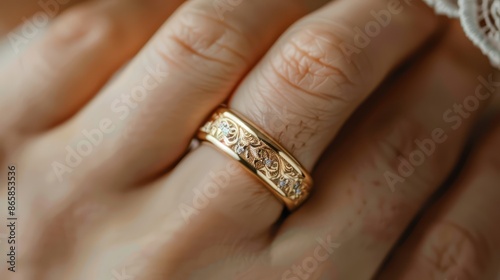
x=83 y=48
x=459 y=237
x=13 y=13
x=295 y=94
x=190 y=67
x=395 y=154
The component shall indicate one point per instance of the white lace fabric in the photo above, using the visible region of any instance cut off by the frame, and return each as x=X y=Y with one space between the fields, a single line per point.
x=480 y=20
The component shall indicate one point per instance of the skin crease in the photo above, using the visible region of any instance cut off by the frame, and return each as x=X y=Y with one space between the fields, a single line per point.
x=117 y=213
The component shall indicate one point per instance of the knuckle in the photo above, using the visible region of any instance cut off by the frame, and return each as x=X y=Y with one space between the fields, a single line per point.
x=452 y=250
x=91 y=31
x=88 y=28
x=204 y=42
x=312 y=61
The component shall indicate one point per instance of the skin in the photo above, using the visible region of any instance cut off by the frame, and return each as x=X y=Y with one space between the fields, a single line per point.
x=130 y=207
x=15 y=12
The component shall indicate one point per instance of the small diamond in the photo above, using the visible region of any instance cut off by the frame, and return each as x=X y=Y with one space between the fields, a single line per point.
x=268 y=162
x=283 y=183
x=296 y=188
x=240 y=149
x=224 y=127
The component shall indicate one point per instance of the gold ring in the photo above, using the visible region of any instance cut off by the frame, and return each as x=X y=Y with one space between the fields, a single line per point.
x=280 y=172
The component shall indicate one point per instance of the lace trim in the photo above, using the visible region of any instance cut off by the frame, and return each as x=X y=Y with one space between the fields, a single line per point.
x=480 y=20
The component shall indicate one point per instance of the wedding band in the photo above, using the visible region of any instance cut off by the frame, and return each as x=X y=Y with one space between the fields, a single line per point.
x=280 y=172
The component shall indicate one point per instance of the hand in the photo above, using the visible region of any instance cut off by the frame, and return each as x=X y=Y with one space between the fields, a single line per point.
x=108 y=189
